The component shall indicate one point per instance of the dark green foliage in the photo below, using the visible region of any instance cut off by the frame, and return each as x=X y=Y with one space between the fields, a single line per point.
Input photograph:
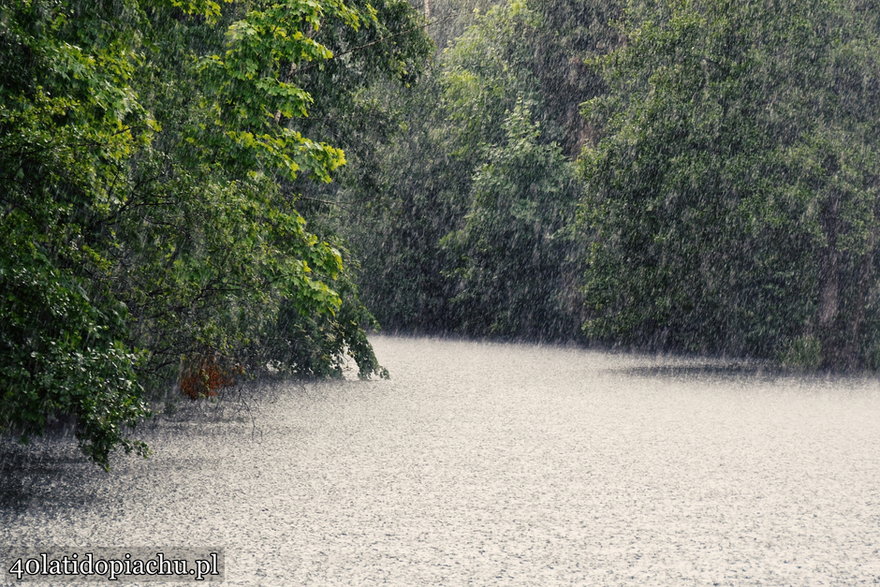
x=456 y=179
x=152 y=153
x=732 y=200
x=730 y=166
x=448 y=19
x=411 y=199
x=62 y=356
x=512 y=253
x=69 y=120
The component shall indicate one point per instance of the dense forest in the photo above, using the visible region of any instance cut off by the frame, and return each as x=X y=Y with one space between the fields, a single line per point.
x=684 y=176
x=195 y=191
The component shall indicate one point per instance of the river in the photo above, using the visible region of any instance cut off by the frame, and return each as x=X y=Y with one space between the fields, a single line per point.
x=489 y=463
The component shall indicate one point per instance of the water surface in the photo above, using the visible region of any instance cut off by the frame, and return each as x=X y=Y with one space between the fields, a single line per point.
x=493 y=463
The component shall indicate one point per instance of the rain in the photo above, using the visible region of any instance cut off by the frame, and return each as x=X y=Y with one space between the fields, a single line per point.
x=440 y=292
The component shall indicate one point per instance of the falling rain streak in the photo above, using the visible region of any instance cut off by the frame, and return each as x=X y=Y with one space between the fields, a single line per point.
x=205 y=204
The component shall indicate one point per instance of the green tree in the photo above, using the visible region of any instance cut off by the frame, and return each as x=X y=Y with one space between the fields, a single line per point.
x=513 y=266
x=151 y=152
x=69 y=121
x=731 y=199
x=454 y=142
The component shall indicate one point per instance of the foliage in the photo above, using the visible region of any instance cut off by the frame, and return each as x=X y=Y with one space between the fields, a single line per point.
x=448 y=19
x=151 y=151
x=729 y=163
x=426 y=266
x=397 y=212
x=62 y=356
x=512 y=250
x=69 y=120
x=732 y=199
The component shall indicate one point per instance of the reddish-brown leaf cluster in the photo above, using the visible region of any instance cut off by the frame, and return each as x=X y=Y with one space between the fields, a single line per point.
x=204 y=375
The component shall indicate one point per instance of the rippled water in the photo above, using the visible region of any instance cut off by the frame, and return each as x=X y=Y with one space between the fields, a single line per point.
x=493 y=463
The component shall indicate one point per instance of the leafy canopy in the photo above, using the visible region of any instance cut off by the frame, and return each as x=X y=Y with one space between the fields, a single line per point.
x=150 y=152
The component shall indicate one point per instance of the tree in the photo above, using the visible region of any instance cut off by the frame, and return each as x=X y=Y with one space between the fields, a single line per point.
x=512 y=247
x=731 y=196
x=455 y=147
x=69 y=121
x=150 y=150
